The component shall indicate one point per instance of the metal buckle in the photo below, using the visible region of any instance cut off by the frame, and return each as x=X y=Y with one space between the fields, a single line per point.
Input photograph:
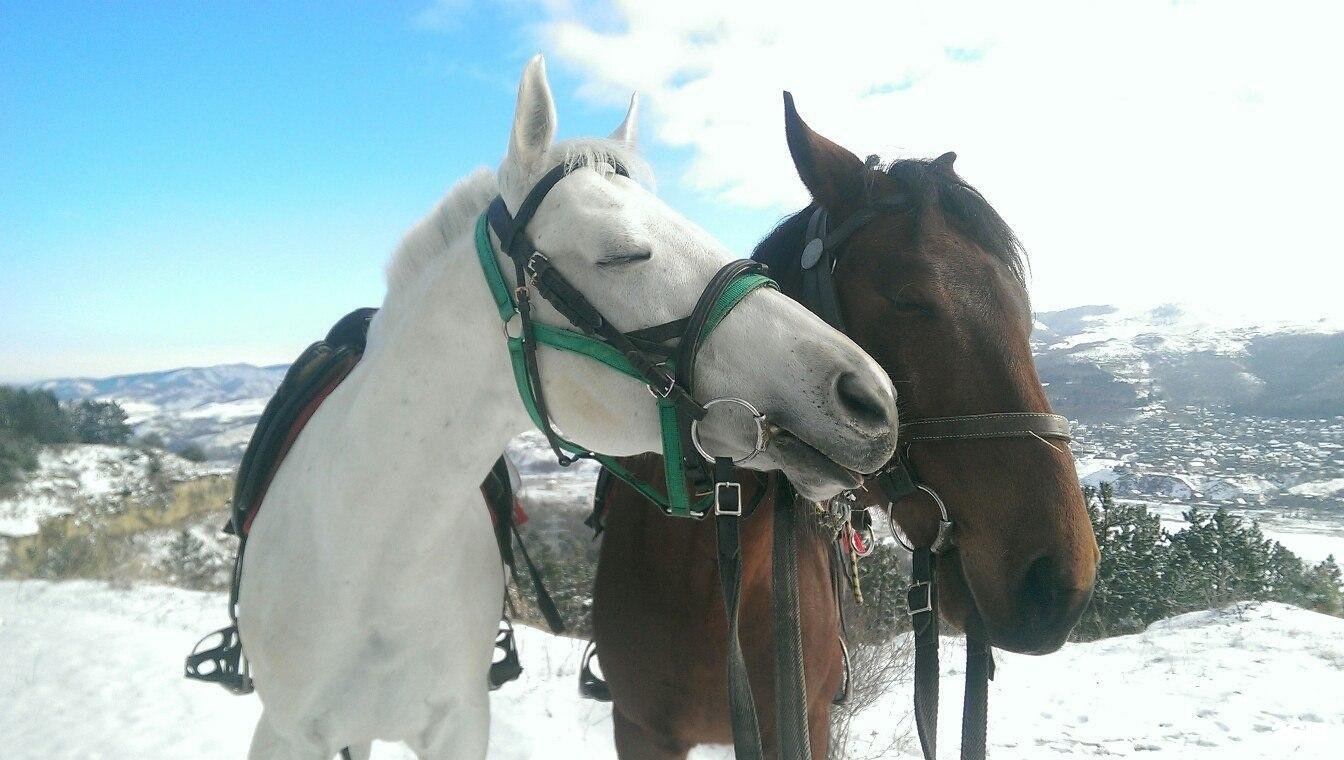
x=665 y=392
x=756 y=415
x=531 y=266
x=510 y=321
x=719 y=490
x=924 y=606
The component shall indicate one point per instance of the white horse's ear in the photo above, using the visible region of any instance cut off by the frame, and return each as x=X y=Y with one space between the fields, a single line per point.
x=534 y=120
x=627 y=131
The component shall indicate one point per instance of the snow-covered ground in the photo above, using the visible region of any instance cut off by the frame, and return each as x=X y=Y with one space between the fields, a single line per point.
x=72 y=475
x=88 y=671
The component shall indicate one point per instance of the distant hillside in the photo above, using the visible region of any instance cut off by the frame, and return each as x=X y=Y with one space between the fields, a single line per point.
x=212 y=407
x=1099 y=362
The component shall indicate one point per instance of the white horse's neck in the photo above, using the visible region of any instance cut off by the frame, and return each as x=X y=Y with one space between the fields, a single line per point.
x=435 y=392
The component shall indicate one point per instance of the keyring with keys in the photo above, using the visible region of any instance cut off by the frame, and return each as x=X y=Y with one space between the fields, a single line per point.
x=755 y=415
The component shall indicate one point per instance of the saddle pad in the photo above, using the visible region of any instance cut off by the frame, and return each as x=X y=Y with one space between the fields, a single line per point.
x=313 y=376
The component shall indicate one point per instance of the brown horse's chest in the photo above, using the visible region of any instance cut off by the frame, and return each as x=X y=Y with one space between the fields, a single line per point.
x=660 y=627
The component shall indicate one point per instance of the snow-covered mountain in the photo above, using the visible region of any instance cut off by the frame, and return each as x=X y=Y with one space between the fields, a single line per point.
x=212 y=407
x=1100 y=361
x=1172 y=404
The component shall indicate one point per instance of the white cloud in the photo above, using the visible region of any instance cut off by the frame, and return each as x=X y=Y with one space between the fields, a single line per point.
x=1144 y=150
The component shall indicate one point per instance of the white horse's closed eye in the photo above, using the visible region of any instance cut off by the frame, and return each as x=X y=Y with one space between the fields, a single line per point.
x=371 y=585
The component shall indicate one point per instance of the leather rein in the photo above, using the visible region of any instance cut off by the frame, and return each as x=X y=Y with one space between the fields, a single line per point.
x=899 y=481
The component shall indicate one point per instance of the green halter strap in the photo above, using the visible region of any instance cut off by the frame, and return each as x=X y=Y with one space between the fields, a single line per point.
x=677 y=500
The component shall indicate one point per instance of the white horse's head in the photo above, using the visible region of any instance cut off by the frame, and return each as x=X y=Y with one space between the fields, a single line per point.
x=642 y=264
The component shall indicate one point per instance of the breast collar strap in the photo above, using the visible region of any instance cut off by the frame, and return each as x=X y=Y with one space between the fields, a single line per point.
x=641 y=354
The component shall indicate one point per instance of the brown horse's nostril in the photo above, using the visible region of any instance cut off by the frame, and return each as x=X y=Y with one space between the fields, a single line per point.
x=863 y=401
x=1043 y=586
x=1051 y=603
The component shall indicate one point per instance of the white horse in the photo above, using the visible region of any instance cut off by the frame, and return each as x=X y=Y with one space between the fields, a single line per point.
x=371 y=586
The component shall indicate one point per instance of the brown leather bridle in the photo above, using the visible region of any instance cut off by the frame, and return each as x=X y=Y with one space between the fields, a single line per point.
x=899 y=481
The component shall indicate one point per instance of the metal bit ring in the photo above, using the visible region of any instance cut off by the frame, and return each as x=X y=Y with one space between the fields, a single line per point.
x=755 y=415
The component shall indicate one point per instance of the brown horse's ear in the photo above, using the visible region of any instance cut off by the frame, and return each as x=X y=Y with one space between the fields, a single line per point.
x=944 y=162
x=832 y=174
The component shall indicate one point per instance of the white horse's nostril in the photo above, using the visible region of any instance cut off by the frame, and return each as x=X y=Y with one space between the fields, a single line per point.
x=864 y=401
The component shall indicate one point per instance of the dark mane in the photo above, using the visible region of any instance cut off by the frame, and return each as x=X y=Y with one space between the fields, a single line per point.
x=964 y=208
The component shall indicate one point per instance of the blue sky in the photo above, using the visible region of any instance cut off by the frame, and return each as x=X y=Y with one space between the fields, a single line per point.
x=199 y=183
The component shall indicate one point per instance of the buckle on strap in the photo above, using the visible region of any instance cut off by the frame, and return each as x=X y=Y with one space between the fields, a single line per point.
x=663 y=392
x=535 y=264
x=728 y=499
x=919 y=598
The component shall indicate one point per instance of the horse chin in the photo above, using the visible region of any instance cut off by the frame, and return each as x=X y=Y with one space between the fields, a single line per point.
x=813 y=475
x=1013 y=633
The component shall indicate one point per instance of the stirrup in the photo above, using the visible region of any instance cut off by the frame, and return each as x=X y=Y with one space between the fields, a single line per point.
x=223 y=663
x=591 y=685
x=510 y=667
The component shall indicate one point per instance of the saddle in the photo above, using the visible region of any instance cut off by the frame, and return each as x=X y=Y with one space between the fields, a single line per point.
x=319 y=370
x=310 y=379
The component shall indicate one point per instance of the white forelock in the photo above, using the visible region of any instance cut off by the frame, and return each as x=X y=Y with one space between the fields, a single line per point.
x=455 y=214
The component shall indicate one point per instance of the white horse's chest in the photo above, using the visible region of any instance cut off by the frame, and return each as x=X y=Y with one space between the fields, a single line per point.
x=362 y=584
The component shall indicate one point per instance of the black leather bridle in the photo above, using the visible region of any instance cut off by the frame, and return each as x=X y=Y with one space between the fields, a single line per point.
x=899 y=481
x=667 y=370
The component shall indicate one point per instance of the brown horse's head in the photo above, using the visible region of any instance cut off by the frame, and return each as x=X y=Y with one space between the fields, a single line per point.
x=935 y=290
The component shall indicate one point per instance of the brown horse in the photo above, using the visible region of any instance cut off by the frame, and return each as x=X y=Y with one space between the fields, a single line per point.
x=934 y=289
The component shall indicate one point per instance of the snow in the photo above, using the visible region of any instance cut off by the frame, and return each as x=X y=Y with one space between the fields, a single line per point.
x=544 y=482
x=90 y=671
x=228 y=411
x=68 y=476
x=1256 y=681
x=1093 y=471
x=1177 y=328
x=1320 y=488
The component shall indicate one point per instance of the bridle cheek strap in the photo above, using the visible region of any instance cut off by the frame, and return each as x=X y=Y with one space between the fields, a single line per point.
x=899 y=481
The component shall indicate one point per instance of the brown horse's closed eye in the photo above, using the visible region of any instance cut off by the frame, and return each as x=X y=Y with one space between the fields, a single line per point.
x=934 y=289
